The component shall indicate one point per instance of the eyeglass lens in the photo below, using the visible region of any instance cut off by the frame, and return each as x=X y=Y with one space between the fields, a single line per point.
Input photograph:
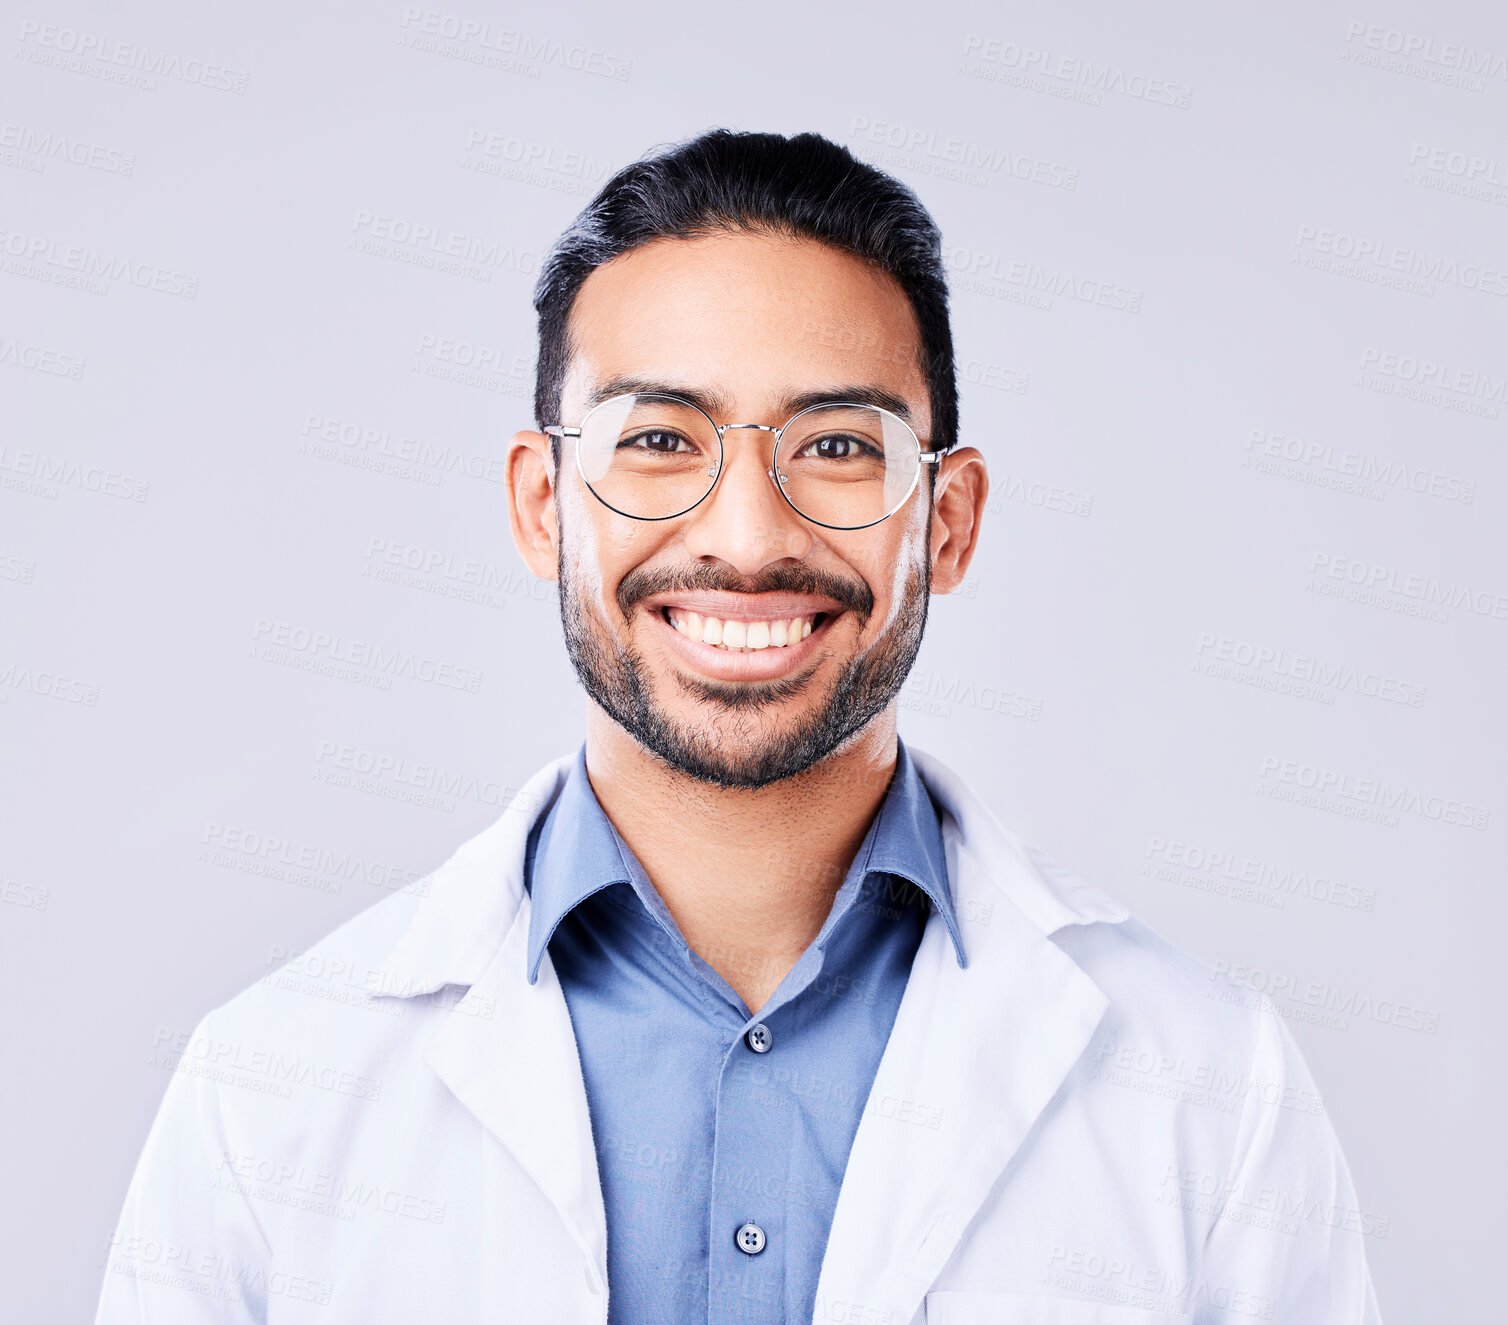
x=845 y=466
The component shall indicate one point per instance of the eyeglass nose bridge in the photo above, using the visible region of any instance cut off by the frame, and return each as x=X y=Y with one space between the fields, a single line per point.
x=757 y=427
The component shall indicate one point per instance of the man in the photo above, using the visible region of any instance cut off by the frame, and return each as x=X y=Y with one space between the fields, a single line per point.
x=744 y=1011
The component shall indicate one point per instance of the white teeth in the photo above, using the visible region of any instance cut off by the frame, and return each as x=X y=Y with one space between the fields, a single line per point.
x=741 y=636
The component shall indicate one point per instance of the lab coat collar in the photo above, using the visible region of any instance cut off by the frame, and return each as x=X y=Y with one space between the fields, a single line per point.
x=1049 y=896
x=473 y=898
x=979 y=1051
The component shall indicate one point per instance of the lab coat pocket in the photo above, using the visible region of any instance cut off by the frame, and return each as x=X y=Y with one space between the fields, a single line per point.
x=1014 y=1309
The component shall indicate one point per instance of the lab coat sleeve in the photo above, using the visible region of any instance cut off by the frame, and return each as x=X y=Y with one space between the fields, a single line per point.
x=1289 y=1244
x=188 y=1248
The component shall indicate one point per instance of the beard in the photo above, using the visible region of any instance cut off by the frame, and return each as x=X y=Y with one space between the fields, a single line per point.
x=742 y=744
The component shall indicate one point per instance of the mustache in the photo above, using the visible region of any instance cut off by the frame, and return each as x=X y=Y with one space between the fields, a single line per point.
x=645 y=581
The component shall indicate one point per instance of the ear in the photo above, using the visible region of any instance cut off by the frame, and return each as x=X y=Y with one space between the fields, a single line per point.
x=963 y=487
x=529 y=473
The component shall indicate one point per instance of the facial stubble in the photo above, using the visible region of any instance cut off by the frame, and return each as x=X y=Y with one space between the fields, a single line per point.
x=742 y=749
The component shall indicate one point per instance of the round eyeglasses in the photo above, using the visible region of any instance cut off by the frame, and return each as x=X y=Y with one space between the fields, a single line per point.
x=841 y=465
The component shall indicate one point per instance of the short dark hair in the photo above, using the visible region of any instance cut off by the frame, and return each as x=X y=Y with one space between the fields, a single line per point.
x=805 y=186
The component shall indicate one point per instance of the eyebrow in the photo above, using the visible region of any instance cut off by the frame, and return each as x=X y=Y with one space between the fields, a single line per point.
x=715 y=404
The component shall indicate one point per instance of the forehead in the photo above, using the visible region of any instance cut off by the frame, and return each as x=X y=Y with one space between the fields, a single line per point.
x=751 y=317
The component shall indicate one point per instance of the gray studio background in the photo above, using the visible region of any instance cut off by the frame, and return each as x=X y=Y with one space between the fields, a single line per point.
x=1229 y=287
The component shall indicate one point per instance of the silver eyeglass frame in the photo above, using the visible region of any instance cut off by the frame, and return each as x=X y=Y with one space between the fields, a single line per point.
x=924 y=457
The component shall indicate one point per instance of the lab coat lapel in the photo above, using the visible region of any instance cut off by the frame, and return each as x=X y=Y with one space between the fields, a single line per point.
x=974 y=1058
x=507 y=1050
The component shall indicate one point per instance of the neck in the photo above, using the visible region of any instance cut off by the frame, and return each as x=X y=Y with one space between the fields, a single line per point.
x=748 y=875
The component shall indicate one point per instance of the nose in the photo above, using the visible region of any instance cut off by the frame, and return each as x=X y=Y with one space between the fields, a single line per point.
x=745 y=521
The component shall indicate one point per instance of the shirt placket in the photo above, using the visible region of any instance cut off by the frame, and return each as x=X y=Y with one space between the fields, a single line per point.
x=754 y=1132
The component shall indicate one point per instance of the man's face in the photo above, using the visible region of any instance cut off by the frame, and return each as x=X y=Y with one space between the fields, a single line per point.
x=751 y=320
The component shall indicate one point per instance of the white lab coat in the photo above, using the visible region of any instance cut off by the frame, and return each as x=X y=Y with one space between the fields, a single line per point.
x=1083 y=1127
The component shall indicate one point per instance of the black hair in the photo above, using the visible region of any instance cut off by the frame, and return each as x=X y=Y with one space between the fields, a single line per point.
x=804 y=186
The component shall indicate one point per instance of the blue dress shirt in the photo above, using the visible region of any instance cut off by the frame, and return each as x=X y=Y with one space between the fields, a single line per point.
x=722 y=1137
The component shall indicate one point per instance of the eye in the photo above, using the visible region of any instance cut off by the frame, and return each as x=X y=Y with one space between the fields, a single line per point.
x=662 y=441
x=838 y=446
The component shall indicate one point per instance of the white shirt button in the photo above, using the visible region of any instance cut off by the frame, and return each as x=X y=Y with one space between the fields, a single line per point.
x=759 y=1039
x=750 y=1239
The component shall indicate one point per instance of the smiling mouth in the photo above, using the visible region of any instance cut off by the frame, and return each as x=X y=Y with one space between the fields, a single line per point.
x=740 y=636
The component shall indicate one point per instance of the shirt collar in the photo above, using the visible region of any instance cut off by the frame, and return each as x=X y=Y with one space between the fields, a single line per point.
x=577 y=852
x=573 y=854
x=906 y=839
x=459 y=918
